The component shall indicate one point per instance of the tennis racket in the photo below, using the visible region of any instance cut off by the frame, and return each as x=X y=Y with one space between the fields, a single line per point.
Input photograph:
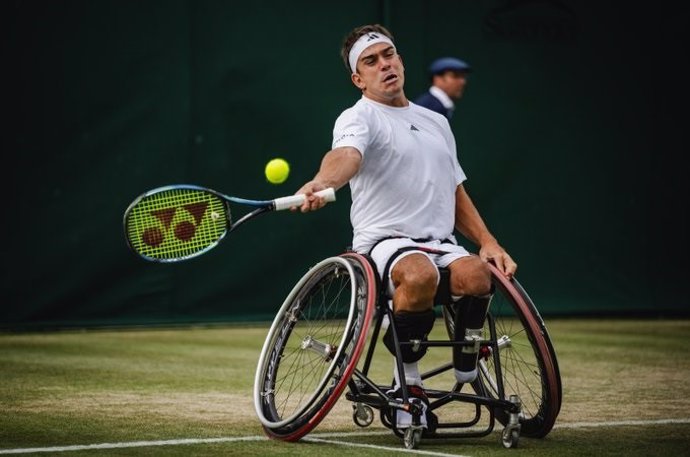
x=179 y=222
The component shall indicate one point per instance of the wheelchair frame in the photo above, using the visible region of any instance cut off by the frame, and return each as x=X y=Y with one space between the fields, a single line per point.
x=314 y=345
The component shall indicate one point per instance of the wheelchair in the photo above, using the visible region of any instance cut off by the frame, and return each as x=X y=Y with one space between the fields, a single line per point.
x=316 y=350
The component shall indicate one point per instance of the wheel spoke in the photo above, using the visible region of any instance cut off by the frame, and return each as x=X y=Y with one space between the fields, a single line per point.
x=307 y=355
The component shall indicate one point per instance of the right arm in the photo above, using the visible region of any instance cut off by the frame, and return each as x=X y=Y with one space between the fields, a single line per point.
x=338 y=166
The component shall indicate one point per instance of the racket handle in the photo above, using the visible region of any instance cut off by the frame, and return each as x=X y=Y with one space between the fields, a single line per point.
x=297 y=200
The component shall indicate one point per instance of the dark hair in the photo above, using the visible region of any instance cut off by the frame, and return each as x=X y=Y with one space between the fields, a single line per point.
x=352 y=38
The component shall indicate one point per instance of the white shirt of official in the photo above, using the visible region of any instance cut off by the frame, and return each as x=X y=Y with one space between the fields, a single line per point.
x=445 y=100
x=408 y=176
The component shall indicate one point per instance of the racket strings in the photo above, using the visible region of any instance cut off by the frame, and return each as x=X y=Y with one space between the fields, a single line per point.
x=176 y=223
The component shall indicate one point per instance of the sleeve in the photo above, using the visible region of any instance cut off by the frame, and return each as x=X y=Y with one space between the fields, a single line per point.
x=460 y=176
x=351 y=129
x=459 y=173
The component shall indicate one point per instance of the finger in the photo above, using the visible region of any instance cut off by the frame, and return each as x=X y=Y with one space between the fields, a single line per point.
x=512 y=268
x=310 y=203
x=499 y=263
x=485 y=256
x=306 y=206
x=509 y=266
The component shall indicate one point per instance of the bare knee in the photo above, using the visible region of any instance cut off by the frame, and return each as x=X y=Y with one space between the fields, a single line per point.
x=420 y=283
x=415 y=279
x=470 y=276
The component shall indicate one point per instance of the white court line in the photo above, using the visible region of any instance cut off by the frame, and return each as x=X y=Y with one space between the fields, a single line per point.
x=383 y=448
x=86 y=447
x=623 y=423
x=317 y=437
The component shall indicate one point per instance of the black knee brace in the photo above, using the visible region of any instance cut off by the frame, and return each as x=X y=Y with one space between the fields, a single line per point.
x=410 y=326
x=470 y=313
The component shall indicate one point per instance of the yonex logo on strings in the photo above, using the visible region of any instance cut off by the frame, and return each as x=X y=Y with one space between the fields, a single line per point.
x=183 y=230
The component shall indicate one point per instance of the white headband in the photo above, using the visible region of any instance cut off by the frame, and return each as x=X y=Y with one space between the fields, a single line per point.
x=362 y=43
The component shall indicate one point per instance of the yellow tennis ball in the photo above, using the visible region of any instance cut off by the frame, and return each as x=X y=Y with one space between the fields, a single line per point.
x=277 y=171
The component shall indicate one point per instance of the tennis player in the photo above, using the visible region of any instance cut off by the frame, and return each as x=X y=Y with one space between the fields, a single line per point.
x=408 y=197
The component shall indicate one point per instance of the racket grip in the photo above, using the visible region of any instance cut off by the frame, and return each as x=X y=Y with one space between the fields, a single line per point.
x=297 y=200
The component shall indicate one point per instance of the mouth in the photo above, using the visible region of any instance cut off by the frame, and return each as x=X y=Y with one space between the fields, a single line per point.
x=390 y=78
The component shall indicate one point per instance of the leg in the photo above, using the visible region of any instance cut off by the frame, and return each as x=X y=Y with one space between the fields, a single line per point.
x=469 y=275
x=414 y=279
x=470 y=278
x=469 y=319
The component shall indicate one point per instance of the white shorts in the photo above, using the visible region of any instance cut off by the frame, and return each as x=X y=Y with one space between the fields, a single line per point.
x=383 y=251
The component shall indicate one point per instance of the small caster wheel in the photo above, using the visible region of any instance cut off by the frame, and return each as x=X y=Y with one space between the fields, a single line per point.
x=510 y=437
x=412 y=437
x=511 y=433
x=362 y=415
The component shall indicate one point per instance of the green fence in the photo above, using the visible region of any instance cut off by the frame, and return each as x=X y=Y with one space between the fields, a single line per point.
x=570 y=132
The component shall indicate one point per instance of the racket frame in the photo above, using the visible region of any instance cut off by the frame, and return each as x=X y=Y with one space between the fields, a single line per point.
x=261 y=206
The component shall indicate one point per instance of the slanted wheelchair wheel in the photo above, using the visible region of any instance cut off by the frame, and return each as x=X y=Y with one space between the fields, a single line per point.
x=313 y=346
x=527 y=361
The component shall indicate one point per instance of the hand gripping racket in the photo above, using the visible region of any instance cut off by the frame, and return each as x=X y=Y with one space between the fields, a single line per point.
x=179 y=222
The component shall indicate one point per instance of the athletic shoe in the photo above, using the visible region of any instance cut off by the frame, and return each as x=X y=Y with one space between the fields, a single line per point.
x=428 y=419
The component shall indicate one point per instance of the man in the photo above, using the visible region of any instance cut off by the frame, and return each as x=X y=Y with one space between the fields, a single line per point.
x=407 y=198
x=448 y=80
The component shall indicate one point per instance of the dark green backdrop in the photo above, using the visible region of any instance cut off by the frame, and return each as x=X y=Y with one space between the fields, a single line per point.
x=571 y=132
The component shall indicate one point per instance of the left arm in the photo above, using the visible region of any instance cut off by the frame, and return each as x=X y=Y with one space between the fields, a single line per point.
x=472 y=226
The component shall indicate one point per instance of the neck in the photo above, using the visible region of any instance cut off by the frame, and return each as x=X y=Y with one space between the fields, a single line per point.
x=397 y=101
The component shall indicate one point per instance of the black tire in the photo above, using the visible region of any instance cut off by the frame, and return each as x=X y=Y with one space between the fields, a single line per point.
x=528 y=362
x=313 y=346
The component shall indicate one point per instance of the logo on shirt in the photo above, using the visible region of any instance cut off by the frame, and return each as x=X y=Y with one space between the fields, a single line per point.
x=412 y=127
x=342 y=137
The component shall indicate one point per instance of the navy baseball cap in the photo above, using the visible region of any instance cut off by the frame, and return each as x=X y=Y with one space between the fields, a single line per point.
x=448 y=63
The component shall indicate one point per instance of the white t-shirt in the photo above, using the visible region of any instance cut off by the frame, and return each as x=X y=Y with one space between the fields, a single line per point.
x=408 y=176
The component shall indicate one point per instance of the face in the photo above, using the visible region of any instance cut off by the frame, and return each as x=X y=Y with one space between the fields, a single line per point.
x=452 y=83
x=381 y=75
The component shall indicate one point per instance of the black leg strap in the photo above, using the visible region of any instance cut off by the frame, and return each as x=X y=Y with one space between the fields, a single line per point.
x=470 y=313
x=410 y=326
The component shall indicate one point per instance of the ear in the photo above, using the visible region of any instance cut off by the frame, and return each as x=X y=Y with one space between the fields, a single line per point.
x=357 y=81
